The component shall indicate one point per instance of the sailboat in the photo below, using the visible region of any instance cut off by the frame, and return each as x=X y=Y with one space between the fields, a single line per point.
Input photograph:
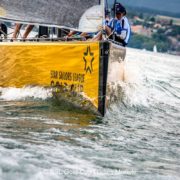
x=155 y=49
x=73 y=69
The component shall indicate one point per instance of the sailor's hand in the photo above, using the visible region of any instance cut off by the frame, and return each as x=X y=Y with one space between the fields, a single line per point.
x=66 y=38
x=100 y=28
x=123 y=35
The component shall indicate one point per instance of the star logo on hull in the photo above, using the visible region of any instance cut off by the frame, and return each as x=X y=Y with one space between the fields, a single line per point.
x=88 y=59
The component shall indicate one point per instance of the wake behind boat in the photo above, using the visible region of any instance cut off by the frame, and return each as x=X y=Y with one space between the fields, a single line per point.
x=73 y=68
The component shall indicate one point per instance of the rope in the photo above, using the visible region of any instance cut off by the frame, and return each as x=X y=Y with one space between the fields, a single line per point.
x=2 y=32
x=43 y=39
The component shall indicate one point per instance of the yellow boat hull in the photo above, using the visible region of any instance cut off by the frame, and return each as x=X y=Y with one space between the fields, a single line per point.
x=77 y=67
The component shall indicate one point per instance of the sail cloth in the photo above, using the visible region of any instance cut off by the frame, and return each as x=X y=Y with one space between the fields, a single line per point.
x=63 y=13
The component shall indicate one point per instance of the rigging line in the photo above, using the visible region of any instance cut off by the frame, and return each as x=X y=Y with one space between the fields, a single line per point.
x=107 y=6
x=45 y=39
x=9 y=26
x=64 y=30
x=114 y=8
x=10 y=33
x=2 y=32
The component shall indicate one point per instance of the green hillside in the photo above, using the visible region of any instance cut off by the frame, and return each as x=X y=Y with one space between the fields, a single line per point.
x=163 y=7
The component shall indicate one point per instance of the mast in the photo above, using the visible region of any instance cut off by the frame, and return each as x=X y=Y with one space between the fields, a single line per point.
x=103 y=5
x=106 y=7
x=114 y=8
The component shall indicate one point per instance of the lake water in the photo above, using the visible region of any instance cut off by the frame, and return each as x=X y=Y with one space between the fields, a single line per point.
x=139 y=138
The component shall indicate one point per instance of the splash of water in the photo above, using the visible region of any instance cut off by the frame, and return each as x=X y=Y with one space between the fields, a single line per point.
x=148 y=80
x=12 y=93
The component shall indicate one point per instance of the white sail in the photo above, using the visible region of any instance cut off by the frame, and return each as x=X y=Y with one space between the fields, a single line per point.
x=63 y=13
x=91 y=19
x=155 y=49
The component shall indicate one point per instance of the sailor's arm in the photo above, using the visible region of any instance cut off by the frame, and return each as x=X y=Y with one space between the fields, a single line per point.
x=125 y=31
x=123 y=34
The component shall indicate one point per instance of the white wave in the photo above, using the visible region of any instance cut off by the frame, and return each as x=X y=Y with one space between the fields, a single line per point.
x=132 y=90
x=145 y=74
x=12 y=93
x=150 y=79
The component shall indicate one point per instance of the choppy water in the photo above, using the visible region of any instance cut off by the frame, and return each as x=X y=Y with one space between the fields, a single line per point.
x=138 y=139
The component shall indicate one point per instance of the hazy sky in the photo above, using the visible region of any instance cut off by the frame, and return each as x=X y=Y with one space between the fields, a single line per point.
x=163 y=5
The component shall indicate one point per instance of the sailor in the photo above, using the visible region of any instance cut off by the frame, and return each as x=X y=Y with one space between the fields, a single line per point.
x=118 y=28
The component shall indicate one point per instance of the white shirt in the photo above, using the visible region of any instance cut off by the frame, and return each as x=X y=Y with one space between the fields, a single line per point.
x=126 y=29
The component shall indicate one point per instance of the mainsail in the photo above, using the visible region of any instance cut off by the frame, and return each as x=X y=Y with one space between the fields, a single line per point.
x=63 y=13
